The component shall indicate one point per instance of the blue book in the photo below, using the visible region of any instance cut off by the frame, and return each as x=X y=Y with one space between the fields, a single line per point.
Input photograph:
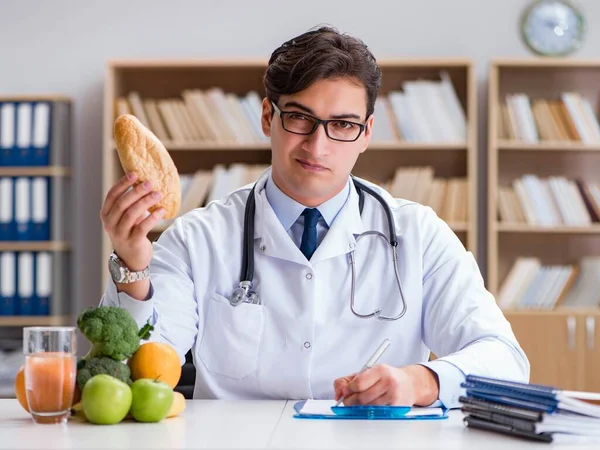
x=542 y=396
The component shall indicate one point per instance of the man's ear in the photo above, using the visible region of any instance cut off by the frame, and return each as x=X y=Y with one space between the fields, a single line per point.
x=266 y=116
x=368 y=131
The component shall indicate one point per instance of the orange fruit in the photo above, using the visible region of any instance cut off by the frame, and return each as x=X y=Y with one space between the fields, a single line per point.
x=20 y=388
x=156 y=360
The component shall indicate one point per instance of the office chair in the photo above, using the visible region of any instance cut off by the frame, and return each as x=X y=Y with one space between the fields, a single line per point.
x=188 y=377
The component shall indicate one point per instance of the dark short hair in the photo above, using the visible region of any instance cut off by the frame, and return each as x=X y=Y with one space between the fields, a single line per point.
x=322 y=53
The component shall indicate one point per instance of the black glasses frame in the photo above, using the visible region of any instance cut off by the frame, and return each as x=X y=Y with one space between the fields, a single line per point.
x=318 y=121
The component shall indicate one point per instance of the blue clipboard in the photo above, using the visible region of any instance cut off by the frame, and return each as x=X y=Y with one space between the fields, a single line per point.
x=367 y=412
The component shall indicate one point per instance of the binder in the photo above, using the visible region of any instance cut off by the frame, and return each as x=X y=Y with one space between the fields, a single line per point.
x=24 y=123
x=35 y=133
x=40 y=154
x=326 y=410
x=8 y=277
x=531 y=396
x=40 y=205
x=25 y=275
x=7 y=232
x=22 y=202
x=43 y=283
x=474 y=422
x=8 y=124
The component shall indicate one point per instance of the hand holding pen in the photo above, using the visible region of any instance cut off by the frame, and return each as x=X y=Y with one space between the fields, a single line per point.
x=370 y=363
x=383 y=384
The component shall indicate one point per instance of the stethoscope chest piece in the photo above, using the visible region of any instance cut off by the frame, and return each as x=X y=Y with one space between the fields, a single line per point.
x=244 y=294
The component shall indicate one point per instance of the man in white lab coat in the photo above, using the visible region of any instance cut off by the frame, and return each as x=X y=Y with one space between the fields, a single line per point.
x=302 y=339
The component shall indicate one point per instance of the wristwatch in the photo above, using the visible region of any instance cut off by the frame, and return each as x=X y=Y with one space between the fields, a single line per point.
x=120 y=273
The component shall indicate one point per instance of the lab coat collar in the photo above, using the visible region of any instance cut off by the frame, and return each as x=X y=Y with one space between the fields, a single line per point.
x=275 y=241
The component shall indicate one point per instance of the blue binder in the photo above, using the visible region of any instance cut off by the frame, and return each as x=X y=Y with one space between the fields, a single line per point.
x=7 y=209
x=40 y=151
x=367 y=412
x=8 y=134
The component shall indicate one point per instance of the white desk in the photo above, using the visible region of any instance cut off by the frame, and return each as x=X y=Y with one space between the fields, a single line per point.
x=252 y=424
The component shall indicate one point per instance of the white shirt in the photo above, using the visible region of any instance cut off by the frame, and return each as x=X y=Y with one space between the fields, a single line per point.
x=303 y=335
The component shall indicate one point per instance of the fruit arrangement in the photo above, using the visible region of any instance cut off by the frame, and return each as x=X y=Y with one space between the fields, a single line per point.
x=120 y=378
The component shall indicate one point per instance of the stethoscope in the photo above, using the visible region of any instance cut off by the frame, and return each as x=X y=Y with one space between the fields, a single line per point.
x=245 y=294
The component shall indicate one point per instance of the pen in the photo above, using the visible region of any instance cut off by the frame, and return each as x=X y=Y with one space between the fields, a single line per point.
x=371 y=362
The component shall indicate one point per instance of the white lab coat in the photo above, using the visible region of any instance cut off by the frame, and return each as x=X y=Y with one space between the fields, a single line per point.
x=303 y=335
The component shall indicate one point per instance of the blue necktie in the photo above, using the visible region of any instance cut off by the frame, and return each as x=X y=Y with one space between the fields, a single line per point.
x=309 y=236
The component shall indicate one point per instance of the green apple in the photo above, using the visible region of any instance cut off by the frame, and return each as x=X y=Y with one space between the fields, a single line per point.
x=152 y=400
x=105 y=400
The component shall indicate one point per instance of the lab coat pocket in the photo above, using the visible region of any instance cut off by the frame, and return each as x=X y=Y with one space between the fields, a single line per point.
x=232 y=337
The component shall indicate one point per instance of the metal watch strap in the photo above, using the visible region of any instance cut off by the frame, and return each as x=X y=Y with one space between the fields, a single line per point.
x=136 y=276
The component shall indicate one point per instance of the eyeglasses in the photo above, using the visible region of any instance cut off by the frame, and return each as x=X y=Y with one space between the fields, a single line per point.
x=305 y=124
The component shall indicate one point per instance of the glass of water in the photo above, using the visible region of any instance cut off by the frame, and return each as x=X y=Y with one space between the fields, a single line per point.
x=50 y=371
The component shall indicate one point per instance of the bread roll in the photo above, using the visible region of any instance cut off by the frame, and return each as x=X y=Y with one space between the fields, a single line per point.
x=142 y=152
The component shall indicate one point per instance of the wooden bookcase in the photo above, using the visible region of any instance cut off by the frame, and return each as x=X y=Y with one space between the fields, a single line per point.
x=561 y=342
x=164 y=79
x=60 y=209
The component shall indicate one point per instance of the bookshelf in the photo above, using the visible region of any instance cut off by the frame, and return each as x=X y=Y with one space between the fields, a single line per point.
x=543 y=228
x=167 y=89
x=35 y=210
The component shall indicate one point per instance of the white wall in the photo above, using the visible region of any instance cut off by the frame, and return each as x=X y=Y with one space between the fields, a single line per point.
x=62 y=46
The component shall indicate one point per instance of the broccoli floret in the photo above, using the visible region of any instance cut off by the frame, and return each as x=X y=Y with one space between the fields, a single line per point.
x=86 y=369
x=112 y=331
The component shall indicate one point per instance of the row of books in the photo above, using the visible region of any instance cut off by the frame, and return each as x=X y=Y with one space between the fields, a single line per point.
x=211 y=115
x=568 y=118
x=421 y=111
x=26 y=283
x=32 y=208
x=532 y=285
x=530 y=411
x=448 y=197
x=548 y=202
x=204 y=186
x=34 y=133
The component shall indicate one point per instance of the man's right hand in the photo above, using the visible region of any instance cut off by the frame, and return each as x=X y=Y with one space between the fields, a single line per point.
x=123 y=215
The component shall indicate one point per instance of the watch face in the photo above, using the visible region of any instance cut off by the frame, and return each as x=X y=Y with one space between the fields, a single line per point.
x=115 y=270
x=553 y=27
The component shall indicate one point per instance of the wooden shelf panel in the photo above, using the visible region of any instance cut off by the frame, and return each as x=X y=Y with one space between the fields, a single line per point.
x=220 y=146
x=24 y=321
x=33 y=246
x=524 y=228
x=35 y=98
x=459 y=226
x=46 y=171
x=548 y=63
x=548 y=146
x=245 y=63
x=552 y=312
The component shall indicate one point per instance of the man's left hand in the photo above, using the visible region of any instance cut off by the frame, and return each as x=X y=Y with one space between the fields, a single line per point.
x=387 y=385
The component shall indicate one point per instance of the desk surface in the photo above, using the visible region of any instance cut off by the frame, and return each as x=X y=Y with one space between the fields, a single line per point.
x=250 y=424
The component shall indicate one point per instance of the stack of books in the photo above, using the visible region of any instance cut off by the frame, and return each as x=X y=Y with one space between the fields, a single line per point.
x=530 y=411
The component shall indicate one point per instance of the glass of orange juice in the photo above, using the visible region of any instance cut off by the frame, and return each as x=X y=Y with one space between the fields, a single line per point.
x=50 y=370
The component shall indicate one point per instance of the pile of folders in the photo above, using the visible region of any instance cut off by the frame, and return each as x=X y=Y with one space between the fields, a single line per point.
x=530 y=411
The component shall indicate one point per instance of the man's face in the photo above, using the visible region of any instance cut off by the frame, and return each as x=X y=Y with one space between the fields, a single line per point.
x=313 y=168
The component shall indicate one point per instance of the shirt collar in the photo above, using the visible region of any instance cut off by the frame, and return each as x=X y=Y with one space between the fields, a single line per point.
x=288 y=210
